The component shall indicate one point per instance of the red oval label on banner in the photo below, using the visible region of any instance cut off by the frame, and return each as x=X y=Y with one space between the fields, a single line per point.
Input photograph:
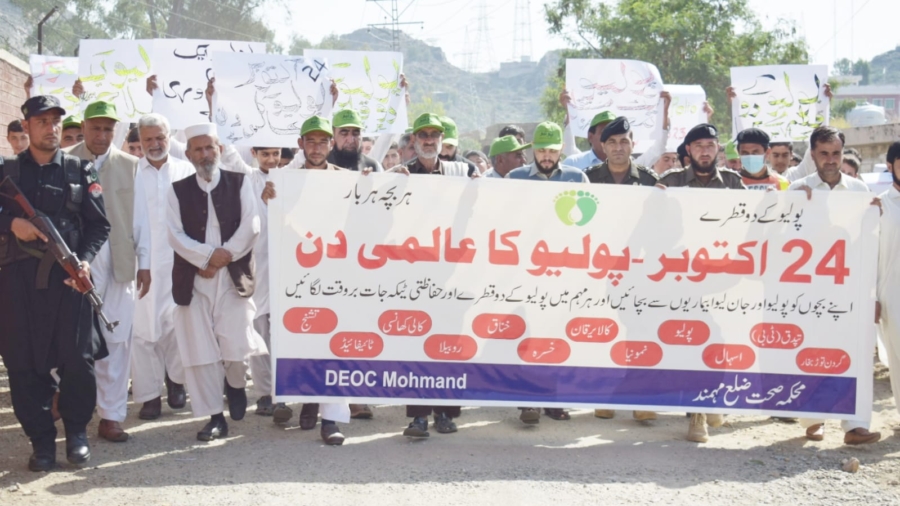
x=636 y=353
x=357 y=344
x=450 y=347
x=404 y=323
x=683 y=332
x=542 y=350
x=310 y=320
x=729 y=356
x=498 y=326
x=784 y=336
x=823 y=360
x=592 y=330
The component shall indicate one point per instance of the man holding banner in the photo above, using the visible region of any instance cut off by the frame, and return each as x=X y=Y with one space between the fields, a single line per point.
x=888 y=274
x=702 y=147
x=826 y=150
x=619 y=168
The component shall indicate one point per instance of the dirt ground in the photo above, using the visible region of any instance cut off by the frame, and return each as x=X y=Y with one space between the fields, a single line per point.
x=492 y=460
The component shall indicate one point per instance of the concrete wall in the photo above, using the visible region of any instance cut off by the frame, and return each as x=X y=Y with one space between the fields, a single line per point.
x=13 y=73
x=872 y=142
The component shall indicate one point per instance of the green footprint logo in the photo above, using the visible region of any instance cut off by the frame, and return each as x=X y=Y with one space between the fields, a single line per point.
x=575 y=207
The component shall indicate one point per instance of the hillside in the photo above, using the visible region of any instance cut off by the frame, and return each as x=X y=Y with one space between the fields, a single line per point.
x=473 y=100
x=885 y=68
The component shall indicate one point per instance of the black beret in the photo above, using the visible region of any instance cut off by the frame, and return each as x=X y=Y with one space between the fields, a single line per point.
x=753 y=136
x=41 y=103
x=618 y=126
x=701 y=131
x=682 y=152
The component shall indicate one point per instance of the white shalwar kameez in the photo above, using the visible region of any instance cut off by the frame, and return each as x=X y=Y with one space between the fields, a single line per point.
x=889 y=284
x=154 y=349
x=215 y=332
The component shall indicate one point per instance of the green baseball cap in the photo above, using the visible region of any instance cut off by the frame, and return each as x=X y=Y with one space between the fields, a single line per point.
x=451 y=134
x=316 y=124
x=548 y=135
x=507 y=144
x=603 y=117
x=348 y=118
x=71 y=121
x=101 y=109
x=731 y=152
x=427 y=120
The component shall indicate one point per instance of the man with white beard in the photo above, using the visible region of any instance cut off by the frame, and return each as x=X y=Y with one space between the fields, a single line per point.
x=154 y=355
x=212 y=226
x=888 y=308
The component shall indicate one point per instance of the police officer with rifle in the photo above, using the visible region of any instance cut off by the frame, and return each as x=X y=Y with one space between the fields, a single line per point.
x=46 y=315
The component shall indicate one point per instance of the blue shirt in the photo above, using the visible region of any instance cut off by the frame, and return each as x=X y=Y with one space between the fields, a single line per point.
x=564 y=173
x=583 y=160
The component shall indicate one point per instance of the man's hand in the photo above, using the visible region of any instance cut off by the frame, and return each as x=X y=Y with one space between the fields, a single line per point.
x=151 y=84
x=220 y=258
x=660 y=186
x=28 y=84
x=808 y=191
x=24 y=230
x=400 y=169
x=827 y=90
x=730 y=94
x=877 y=312
x=877 y=203
x=334 y=92
x=83 y=273
x=268 y=192
x=368 y=170
x=708 y=109
x=667 y=101
x=208 y=273
x=78 y=88
x=143 y=282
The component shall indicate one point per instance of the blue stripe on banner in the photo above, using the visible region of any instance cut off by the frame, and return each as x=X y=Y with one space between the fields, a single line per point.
x=533 y=385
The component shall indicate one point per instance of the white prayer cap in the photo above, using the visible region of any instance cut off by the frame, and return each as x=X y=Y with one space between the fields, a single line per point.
x=201 y=129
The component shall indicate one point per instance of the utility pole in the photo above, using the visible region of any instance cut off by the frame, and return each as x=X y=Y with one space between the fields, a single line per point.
x=484 y=48
x=395 y=23
x=522 y=31
x=41 y=29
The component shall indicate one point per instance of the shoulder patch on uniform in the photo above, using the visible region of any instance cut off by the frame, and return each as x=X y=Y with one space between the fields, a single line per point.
x=95 y=190
x=649 y=171
x=673 y=170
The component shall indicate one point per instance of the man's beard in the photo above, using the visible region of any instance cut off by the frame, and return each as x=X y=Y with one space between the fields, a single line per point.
x=448 y=158
x=420 y=152
x=155 y=158
x=701 y=169
x=208 y=168
x=547 y=171
x=896 y=179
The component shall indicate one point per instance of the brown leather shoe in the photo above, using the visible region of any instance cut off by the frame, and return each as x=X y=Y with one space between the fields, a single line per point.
x=309 y=414
x=860 y=436
x=112 y=431
x=151 y=410
x=331 y=434
x=361 y=412
x=816 y=432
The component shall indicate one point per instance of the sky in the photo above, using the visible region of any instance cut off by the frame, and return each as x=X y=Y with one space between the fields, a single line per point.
x=864 y=28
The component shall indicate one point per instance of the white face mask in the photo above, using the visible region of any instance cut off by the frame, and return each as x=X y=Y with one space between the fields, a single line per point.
x=753 y=163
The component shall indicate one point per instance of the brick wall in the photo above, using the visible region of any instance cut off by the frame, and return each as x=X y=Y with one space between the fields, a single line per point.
x=13 y=73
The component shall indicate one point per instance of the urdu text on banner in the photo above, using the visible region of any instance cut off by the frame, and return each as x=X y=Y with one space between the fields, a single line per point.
x=441 y=291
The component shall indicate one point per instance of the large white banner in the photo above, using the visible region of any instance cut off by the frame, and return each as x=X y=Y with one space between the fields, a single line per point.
x=626 y=87
x=685 y=112
x=432 y=290
x=263 y=99
x=117 y=71
x=368 y=81
x=55 y=75
x=786 y=101
x=183 y=68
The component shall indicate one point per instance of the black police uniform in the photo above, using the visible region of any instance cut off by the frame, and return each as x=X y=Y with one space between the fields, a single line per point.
x=45 y=324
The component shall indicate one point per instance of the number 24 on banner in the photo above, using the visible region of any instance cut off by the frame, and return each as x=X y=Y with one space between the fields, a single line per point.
x=835 y=256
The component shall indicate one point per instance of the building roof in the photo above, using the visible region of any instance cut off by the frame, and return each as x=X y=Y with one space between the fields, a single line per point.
x=871 y=89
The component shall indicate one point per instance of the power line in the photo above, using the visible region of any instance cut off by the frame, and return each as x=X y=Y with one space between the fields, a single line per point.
x=395 y=22
x=836 y=32
x=204 y=23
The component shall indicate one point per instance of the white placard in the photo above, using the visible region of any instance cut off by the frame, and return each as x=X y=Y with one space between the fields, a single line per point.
x=55 y=75
x=685 y=112
x=116 y=71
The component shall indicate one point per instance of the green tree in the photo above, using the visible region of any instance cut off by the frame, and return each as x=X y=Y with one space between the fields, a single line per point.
x=690 y=41
x=135 y=19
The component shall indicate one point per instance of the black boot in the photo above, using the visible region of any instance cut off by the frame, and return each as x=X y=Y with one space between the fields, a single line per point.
x=237 y=401
x=77 y=449
x=215 y=429
x=43 y=456
x=175 y=394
